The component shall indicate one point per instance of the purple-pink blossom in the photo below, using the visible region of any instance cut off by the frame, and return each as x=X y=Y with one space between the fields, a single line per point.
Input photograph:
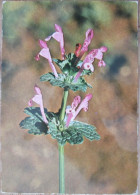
x=58 y=36
x=87 y=41
x=45 y=52
x=38 y=100
x=72 y=112
x=89 y=59
x=80 y=50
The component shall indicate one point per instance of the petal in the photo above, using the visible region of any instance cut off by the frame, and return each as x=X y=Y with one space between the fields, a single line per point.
x=99 y=54
x=53 y=69
x=101 y=63
x=37 y=90
x=76 y=102
x=91 y=56
x=87 y=41
x=83 y=105
x=46 y=54
x=58 y=28
x=88 y=66
x=103 y=49
x=68 y=109
x=79 y=74
x=69 y=119
x=89 y=35
x=38 y=99
x=48 y=38
x=43 y=44
x=37 y=58
x=57 y=36
x=88 y=97
x=30 y=103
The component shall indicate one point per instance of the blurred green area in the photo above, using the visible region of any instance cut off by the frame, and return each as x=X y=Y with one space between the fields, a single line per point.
x=109 y=166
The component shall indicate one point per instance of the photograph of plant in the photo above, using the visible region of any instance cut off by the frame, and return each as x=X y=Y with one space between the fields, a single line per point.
x=69 y=97
x=61 y=125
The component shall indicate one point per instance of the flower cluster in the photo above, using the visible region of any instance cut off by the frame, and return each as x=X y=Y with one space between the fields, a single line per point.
x=80 y=50
x=72 y=112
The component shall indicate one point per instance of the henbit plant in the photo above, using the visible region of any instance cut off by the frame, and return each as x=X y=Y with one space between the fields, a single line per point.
x=62 y=125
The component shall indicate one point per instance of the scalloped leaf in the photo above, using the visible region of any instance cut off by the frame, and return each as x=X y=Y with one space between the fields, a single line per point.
x=85 y=129
x=74 y=133
x=64 y=81
x=56 y=133
x=61 y=63
x=35 y=123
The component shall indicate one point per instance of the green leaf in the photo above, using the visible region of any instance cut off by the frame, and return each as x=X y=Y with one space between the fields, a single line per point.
x=61 y=63
x=64 y=81
x=79 y=85
x=74 y=133
x=55 y=81
x=68 y=66
x=85 y=129
x=34 y=123
x=56 y=133
x=86 y=72
x=75 y=136
x=35 y=112
x=47 y=77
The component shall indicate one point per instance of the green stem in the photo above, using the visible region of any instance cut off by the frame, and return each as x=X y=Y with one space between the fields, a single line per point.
x=63 y=106
x=61 y=169
x=61 y=148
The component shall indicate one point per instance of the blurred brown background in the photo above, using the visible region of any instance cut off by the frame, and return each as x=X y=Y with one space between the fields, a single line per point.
x=30 y=163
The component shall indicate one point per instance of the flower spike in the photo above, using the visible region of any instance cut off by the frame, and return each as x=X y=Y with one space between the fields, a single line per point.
x=58 y=36
x=38 y=99
x=45 y=52
x=72 y=112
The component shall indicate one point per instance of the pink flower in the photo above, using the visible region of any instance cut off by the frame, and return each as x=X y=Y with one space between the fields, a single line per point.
x=89 y=59
x=45 y=52
x=87 y=41
x=58 y=36
x=72 y=112
x=101 y=63
x=38 y=99
x=88 y=66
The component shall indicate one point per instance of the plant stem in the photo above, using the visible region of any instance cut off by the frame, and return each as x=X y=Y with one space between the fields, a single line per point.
x=61 y=148
x=63 y=106
x=61 y=169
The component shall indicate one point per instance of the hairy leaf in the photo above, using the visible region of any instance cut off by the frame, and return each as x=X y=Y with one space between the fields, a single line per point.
x=35 y=123
x=64 y=81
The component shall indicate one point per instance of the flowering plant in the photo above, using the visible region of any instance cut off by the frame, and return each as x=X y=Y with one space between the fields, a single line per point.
x=62 y=125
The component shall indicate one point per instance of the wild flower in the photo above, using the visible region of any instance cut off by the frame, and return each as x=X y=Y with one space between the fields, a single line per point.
x=58 y=36
x=72 y=112
x=45 y=52
x=38 y=100
x=89 y=59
